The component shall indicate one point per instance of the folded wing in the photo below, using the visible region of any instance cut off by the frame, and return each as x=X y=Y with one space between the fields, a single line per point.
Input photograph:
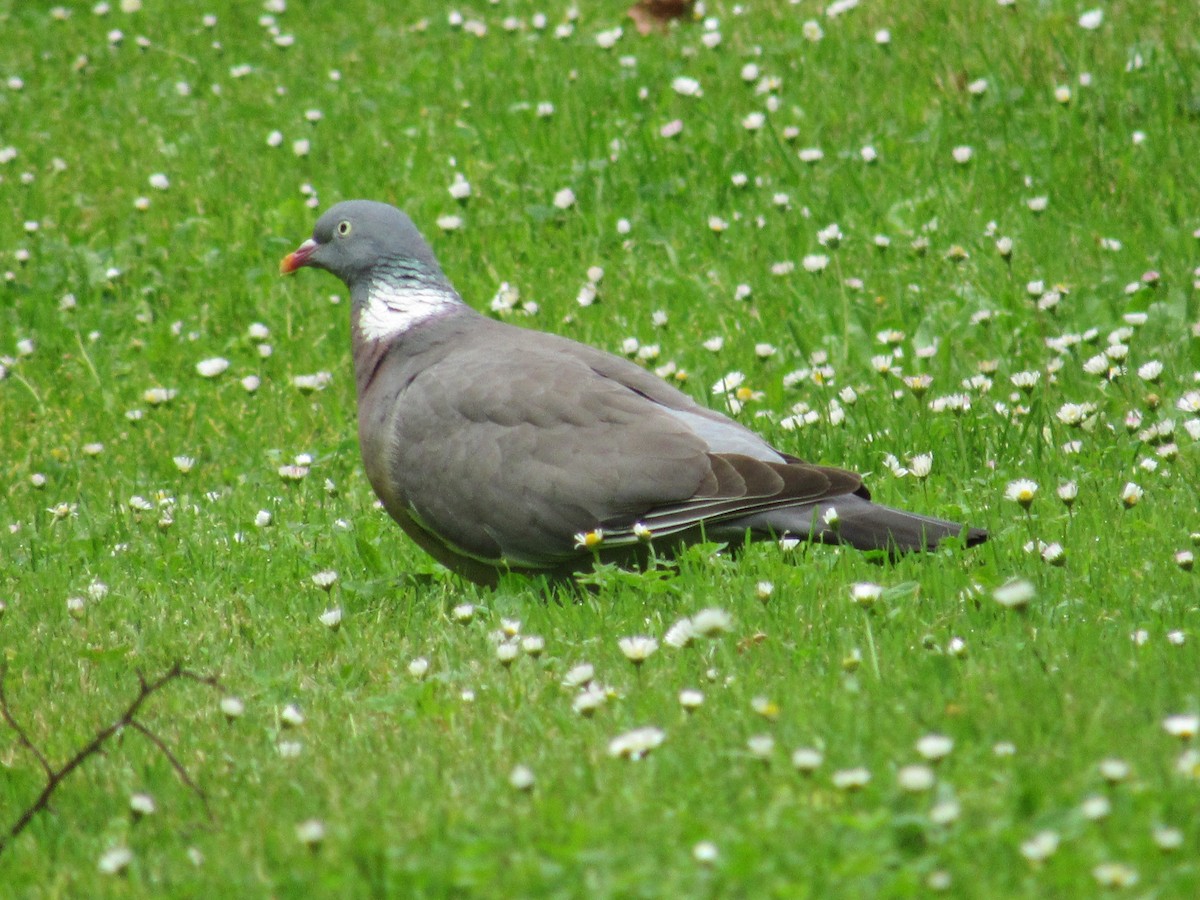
x=561 y=439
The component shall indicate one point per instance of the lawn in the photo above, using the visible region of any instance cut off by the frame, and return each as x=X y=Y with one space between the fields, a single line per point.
x=952 y=246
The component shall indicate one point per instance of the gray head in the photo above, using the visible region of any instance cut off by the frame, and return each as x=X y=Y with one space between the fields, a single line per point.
x=356 y=236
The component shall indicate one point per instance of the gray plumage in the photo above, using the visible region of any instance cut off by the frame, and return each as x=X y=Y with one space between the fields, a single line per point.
x=495 y=447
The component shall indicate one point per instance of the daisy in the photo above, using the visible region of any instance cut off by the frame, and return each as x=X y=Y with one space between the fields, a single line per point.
x=681 y=634
x=589 y=699
x=636 y=743
x=564 y=199
x=533 y=645
x=211 y=368
x=1026 y=381
x=830 y=236
x=1112 y=874
x=1015 y=594
x=935 y=747
x=705 y=853
x=807 y=759
x=865 y=593
x=1182 y=725
x=142 y=805
x=638 y=649
x=1095 y=807
x=1168 y=839
x=589 y=540
x=687 y=87
x=115 y=861
x=1131 y=494
x=507 y=653
x=851 y=779
x=1023 y=490
x=460 y=188
x=521 y=778
x=921 y=465
x=915 y=778
x=579 y=675
x=1114 y=770
x=311 y=833
x=232 y=708
x=325 y=580
x=761 y=746
x=1040 y=847
x=711 y=622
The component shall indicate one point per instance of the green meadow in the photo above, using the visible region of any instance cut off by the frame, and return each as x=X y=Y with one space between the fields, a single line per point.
x=952 y=246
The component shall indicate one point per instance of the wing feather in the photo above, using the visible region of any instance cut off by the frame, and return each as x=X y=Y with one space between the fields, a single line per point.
x=535 y=438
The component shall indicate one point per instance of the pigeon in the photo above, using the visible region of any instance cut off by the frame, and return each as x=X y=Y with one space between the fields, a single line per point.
x=503 y=449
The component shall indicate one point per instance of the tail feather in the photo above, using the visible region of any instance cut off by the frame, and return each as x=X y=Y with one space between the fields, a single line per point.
x=861 y=524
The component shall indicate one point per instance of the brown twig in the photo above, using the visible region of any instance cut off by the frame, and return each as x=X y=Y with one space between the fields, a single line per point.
x=127 y=719
x=180 y=771
x=22 y=737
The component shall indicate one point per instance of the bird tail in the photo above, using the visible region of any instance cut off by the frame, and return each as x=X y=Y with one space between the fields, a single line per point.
x=871 y=526
x=861 y=524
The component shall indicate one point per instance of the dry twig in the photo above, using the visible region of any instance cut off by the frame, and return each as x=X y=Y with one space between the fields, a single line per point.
x=127 y=719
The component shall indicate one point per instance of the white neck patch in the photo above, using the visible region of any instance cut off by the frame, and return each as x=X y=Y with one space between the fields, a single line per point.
x=391 y=310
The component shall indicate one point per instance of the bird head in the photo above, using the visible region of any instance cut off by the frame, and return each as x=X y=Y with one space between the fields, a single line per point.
x=356 y=236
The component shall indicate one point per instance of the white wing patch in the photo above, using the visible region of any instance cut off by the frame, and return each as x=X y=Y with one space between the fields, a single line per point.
x=725 y=437
x=390 y=310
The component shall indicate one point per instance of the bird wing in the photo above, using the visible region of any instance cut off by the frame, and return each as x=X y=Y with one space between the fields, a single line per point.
x=509 y=442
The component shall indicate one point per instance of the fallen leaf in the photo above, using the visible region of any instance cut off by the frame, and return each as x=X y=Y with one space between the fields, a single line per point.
x=656 y=15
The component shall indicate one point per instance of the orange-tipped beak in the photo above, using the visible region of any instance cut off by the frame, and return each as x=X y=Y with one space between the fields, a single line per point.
x=297 y=258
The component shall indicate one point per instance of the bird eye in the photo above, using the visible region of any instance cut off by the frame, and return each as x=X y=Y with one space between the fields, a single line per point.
x=343 y=228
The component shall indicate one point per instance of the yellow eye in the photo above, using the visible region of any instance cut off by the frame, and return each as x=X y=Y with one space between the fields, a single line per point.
x=343 y=228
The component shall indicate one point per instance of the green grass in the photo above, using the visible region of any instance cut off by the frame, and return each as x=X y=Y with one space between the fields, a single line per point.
x=410 y=779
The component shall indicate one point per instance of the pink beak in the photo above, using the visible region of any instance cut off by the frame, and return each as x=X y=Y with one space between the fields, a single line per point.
x=297 y=258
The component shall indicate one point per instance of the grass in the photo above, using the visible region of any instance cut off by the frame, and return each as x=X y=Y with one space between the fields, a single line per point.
x=410 y=775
